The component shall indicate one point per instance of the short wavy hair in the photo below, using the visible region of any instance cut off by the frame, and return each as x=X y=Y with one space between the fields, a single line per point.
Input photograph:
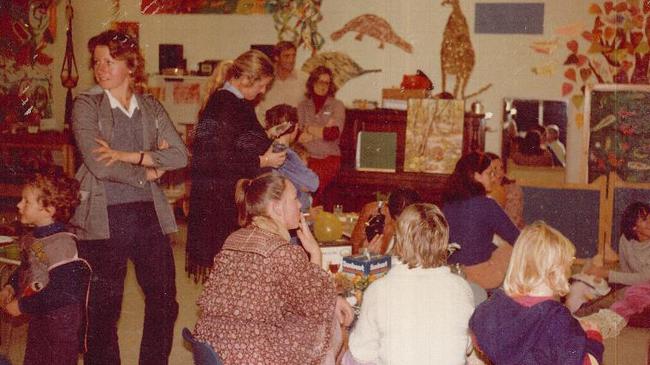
x=422 y=236
x=541 y=255
x=123 y=47
x=56 y=191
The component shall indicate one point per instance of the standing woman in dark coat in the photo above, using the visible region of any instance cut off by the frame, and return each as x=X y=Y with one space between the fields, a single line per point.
x=219 y=158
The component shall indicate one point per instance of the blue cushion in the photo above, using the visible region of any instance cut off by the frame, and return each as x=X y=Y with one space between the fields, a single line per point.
x=203 y=353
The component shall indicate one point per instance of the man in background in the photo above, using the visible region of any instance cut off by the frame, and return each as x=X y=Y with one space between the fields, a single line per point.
x=289 y=84
x=552 y=138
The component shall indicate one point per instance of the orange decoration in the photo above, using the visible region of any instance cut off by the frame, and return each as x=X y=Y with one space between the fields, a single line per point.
x=571 y=60
x=598 y=23
x=636 y=38
x=570 y=74
x=646 y=6
x=595 y=9
x=572 y=46
x=566 y=88
x=585 y=73
x=588 y=36
x=609 y=6
x=609 y=32
x=621 y=7
x=582 y=59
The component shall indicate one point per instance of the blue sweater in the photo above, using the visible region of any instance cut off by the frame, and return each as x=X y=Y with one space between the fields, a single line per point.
x=302 y=177
x=545 y=333
x=472 y=224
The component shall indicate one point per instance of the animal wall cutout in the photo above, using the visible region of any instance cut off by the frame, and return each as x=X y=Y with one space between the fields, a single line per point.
x=373 y=26
x=457 y=53
x=343 y=67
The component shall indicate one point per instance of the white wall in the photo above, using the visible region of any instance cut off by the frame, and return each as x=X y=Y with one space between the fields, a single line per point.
x=505 y=61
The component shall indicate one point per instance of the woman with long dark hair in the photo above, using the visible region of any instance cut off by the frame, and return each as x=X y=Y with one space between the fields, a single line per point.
x=474 y=219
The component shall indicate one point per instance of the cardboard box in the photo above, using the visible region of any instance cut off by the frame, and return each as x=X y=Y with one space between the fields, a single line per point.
x=404 y=94
x=362 y=265
x=396 y=98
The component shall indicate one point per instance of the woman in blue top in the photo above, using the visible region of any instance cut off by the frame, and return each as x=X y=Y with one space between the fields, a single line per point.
x=474 y=219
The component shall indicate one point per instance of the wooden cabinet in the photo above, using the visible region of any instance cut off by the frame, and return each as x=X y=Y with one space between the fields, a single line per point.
x=354 y=188
x=22 y=155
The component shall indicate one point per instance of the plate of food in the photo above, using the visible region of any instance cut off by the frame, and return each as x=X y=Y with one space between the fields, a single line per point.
x=6 y=239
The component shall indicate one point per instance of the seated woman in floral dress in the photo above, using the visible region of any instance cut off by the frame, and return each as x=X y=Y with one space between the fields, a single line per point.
x=266 y=301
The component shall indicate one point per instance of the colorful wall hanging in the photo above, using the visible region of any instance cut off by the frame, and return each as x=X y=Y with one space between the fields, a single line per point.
x=26 y=27
x=457 y=53
x=342 y=66
x=619 y=132
x=434 y=135
x=297 y=21
x=208 y=6
x=617 y=49
x=373 y=26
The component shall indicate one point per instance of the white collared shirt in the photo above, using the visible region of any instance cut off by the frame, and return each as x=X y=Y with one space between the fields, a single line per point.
x=133 y=104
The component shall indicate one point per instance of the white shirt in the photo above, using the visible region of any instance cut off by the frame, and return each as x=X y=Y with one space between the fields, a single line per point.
x=634 y=265
x=133 y=104
x=414 y=316
x=288 y=91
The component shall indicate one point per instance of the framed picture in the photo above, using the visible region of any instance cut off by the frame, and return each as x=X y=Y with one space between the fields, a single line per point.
x=207 y=67
x=434 y=135
x=617 y=131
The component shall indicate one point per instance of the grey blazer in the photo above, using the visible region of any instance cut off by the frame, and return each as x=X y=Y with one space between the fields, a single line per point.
x=92 y=118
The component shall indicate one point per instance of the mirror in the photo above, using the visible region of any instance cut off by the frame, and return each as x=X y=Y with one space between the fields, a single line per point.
x=545 y=145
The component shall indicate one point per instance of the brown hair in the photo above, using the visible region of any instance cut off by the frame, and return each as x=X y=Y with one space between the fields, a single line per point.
x=313 y=77
x=252 y=195
x=279 y=114
x=123 y=47
x=281 y=47
x=58 y=192
x=422 y=236
x=252 y=64
x=461 y=184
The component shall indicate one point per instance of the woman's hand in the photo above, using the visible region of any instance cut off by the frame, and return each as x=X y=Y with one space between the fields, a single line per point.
x=12 y=308
x=272 y=159
x=6 y=295
x=106 y=154
x=309 y=243
x=344 y=311
x=375 y=244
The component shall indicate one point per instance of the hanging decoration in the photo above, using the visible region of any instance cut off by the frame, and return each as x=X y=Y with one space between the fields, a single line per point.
x=297 y=21
x=617 y=48
x=69 y=73
x=244 y=7
x=342 y=66
x=375 y=27
x=26 y=27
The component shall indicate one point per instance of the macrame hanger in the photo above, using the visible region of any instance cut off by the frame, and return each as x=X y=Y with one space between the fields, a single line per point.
x=69 y=74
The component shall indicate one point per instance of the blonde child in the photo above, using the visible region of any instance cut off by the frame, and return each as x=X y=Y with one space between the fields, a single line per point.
x=418 y=312
x=51 y=283
x=525 y=323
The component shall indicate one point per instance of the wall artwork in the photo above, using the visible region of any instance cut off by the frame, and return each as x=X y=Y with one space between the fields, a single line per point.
x=25 y=83
x=375 y=27
x=434 y=135
x=509 y=18
x=619 y=132
x=343 y=67
x=208 y=6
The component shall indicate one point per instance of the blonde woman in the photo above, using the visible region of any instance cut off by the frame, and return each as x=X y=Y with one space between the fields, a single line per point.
x=267 y=301
x=525 y=323
x=217 y=160
x=418 y=312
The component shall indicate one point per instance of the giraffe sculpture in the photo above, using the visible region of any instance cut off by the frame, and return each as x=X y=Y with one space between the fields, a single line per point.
x=456 y=53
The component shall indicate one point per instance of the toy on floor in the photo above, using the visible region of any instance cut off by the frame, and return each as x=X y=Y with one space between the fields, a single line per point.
x=585 y=288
